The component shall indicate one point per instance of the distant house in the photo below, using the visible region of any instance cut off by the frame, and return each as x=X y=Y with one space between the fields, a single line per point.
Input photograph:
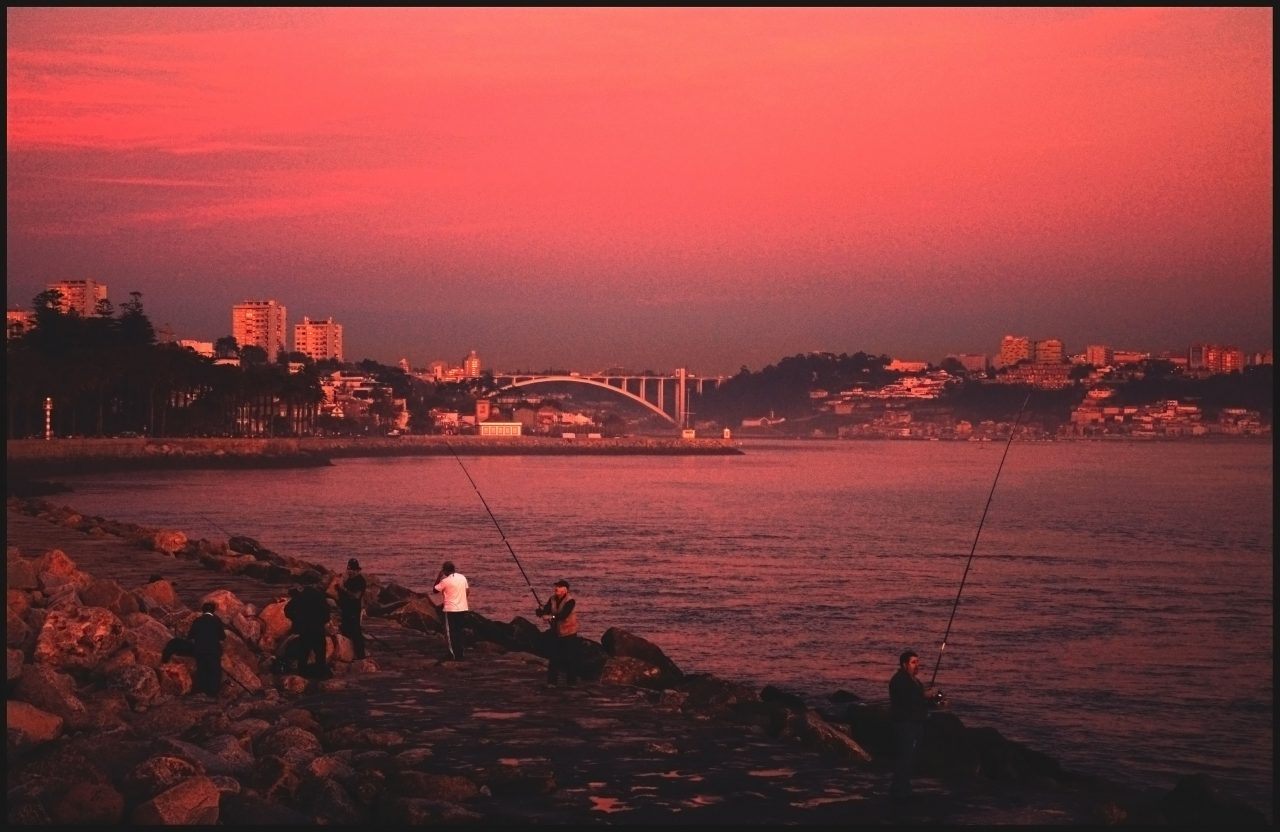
x=500 y=428
x=763 y=422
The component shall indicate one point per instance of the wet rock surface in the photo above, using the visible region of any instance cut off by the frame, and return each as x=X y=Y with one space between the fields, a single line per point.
x=103 y=731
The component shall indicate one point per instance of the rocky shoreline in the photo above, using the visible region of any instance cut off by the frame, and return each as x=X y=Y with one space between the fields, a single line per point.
x=101 y=731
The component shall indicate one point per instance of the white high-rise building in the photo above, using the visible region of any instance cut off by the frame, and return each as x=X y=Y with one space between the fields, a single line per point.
x=259 y=323
x=318 y=339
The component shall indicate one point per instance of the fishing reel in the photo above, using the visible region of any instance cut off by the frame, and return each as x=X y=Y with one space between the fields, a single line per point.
x=938 y=700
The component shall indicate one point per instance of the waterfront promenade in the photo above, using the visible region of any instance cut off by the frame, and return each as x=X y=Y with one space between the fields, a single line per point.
x=599 y=754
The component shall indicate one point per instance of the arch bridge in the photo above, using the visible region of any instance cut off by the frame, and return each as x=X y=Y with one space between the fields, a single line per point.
x=666 y=396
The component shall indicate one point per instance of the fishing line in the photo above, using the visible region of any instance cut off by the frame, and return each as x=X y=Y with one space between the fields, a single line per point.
x=974 y=548
x=495 y=521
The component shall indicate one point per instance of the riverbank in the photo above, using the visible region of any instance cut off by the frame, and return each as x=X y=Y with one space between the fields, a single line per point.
x=402 y=738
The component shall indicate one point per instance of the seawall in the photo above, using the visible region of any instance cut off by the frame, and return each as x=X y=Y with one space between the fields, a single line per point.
x=31 y=458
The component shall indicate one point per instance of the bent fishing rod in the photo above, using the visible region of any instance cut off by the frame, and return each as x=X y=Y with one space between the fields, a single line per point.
x=501 y=533
x=1013 y=430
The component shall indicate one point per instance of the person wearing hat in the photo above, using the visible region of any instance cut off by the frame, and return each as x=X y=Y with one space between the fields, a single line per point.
x=350 y=605
x=561 y=614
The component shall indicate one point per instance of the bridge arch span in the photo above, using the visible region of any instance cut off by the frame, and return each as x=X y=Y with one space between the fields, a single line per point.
x=580 y=380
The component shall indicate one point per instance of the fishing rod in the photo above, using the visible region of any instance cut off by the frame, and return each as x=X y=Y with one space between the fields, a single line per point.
x=503 y=534
x=974 y=548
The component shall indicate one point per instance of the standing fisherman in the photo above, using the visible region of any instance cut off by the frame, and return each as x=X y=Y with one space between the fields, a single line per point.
x=206 y=635
x=309 y=612
x=561 y=613
x=453 y=584
x=909 y=705
x=351 y=604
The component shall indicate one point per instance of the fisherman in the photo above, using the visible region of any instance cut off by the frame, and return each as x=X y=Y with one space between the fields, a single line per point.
x=308 y=609
x=453 y=584
x=560 y=613
x=351 y=604
x=909 y=704
x=206 y=636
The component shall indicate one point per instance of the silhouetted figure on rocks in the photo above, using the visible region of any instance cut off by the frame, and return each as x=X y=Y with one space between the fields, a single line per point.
x=309 y=612
x=909 y=705
x=351 y=604
x=206 y=636
x=453 y=585
x=561 y=613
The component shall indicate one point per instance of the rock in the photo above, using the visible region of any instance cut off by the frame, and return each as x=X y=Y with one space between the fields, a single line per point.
x=328 y=801
x=20 y=573
x=13 y=664
x=448 y=787
x=103 y=592
x=88 y=804
x=628 y=670
x=56 y=571
x=156 y=775
x=138 y=683
x=157 y=594
x=27 y=726
x=619 y=642
x=53 y=692
x=1197 y=800
x=419 y=811
x=192 y=802
x=171 y=542
x=78 y=638
x=245 y=546
x=297 y=746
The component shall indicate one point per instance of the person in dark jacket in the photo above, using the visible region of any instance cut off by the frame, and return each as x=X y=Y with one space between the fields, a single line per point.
x=309 y=612
x=909 y=705
x=206 y=636
x=561 y=613
x=351 y=604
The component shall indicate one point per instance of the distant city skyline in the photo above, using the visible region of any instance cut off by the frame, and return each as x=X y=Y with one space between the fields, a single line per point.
x=653 y=188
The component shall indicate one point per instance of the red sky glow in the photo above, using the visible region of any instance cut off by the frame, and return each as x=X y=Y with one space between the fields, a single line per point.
x=652 y=188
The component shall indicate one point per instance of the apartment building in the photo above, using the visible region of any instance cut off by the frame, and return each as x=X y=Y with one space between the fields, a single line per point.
x=1013 y=348
x=259 y=323
x=318 y=340
x=79 y=296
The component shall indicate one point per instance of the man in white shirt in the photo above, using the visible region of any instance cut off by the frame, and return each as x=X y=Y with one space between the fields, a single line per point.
x=453 y=584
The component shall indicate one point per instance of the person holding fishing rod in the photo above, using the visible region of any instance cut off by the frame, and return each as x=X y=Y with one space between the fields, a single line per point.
x=453 y=585
x=909 y=705
x=561 y=614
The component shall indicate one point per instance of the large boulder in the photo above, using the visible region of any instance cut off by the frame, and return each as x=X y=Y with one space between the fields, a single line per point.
x=54 y=692
x=78 y=638
x=157 y=594
x=21 y=573
x=104 y=592
x=619 y=642
x=55 y=571
x=194 y=801
x=27 y=726
x=169 y=541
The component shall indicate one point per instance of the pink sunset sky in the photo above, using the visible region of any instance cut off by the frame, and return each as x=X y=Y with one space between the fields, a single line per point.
x=652 y=188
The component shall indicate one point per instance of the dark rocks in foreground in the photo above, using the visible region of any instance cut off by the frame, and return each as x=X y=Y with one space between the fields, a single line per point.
x=102 y=731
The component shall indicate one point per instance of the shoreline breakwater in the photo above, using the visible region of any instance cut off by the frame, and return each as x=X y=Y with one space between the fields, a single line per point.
x=35 y=458
x=400 y=737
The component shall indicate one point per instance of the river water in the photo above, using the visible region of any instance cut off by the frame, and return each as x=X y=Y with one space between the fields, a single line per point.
x=1117 y=613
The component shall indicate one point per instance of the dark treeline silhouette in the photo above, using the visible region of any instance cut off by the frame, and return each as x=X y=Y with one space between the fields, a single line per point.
x=106 y=375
